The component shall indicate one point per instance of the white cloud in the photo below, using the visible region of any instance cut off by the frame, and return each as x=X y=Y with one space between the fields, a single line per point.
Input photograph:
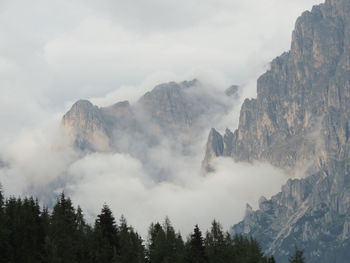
x=35 y=159
x=59 y=51
x=120 y=181
x=55 y=52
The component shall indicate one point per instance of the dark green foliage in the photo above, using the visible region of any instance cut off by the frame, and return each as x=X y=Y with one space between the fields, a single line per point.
x=271 y=260
x=195 y=247
x=217 y=247
x=247 y=250
x=29 y=234
x=164 y=244
x=106 y=237
x=63 y=235
x=297 y=257
x=24 y=231
x=131 y=247
x=4 y=230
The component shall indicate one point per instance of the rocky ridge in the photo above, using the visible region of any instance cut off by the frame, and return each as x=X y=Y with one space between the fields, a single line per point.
x=173 y=112
x=300 y=122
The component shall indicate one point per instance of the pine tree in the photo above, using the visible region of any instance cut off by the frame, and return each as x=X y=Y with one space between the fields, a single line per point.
x=247 y=250
x=195 y=247
x=170 y=242
x=4 y=231
x=271 y=260
x=164 y=244
x=229 y=248
x=156 y=244
x=297 y=257
x=216 y=249
x=180 y=256
x=84 y=245
x=63 y=239
x=25 y=240
x=131 y=248
x=28 y=235
x=106 y=237
x=45 y=221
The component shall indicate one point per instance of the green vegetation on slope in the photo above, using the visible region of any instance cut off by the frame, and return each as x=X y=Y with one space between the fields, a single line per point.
x=31 y=234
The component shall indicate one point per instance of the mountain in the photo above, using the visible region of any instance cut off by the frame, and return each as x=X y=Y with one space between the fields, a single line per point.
x=173 y=114
x=300 y=122
x=304 y=88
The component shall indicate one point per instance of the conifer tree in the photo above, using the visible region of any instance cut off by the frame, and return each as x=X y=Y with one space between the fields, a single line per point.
x=4 y=231
x=63 y=237
x=247 y=250
x=164 y=244
x=170 y=241
x=84 y=237
x=25 y=240
x=195 y=247
x=29 y=235
x=106 y=237
x=297 y=257
x=180 y=256
x=131 y=248
x=45 y=221
x=216 y=247
x=156 y=244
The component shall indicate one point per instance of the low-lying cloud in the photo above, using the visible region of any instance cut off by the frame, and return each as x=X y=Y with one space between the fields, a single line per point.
x=55 y=52
x=41 y=163
x=120 y=181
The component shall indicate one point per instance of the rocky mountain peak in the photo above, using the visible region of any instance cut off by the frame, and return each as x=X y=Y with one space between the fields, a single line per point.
x=121 y=104
x=119 y=109
x=172 y=110
x=248 y=210
x=214 y=148
x=79 y=108
x=168 y=108
x=85 y=120
x=83 y=104
x=300 y=119
x=190 y=83
x=298 y=91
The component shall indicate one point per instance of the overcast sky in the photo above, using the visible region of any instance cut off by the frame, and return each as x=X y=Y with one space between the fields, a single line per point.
x=54 y=52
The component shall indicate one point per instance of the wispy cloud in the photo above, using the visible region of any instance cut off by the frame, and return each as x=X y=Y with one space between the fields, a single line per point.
x=55 y=52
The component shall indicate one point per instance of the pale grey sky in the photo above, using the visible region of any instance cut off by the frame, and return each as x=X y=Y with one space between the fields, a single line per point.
x=53 y=52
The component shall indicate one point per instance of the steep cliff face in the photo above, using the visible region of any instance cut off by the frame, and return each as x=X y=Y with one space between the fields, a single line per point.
x=169 y=108
x=214 y=148
x=173 y=111
x=301 y=95
x=298 y=94
x=84 y=120
x=312 y=213
x=300 y=118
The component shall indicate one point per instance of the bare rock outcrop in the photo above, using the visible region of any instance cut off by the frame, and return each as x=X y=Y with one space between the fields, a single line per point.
x=301 y=117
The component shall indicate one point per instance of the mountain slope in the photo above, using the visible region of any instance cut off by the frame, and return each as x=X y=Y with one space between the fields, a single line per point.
x=300 y=122
x=172 y=116
x=304 y=88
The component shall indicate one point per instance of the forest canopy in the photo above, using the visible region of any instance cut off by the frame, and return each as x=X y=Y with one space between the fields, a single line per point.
x=29 y=233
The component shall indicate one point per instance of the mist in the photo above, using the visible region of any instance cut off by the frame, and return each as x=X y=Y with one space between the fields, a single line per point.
x=42 y=162
x=56 y=52
x=188 y=200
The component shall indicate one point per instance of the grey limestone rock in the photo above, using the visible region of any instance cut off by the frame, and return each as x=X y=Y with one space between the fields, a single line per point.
x=176 y=113
x=300 y=118
x=214 y=148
